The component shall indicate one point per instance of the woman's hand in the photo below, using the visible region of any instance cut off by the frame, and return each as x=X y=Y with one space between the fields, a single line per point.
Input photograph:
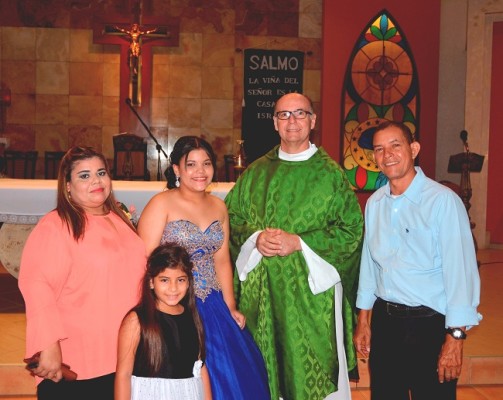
x=239 y=318
x=49 y=366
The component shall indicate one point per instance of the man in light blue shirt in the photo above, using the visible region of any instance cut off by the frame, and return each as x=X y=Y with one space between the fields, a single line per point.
x=419 y=285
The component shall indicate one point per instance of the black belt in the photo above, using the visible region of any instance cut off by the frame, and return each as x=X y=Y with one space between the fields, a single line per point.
x=402 y=310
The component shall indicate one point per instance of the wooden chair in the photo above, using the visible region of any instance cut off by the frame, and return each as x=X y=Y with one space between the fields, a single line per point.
x=20 y=164
x=229 y=168
x=52 y=159
x=130 y=158
x=2 y=162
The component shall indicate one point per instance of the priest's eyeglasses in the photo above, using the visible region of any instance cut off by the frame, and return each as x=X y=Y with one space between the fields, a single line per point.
x=298 y=114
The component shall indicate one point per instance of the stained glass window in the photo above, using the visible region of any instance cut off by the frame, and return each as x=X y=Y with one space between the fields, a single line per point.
x=381 y=83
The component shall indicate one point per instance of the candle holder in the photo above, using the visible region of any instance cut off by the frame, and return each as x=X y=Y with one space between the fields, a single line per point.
x=465 y=163
x=240 y=163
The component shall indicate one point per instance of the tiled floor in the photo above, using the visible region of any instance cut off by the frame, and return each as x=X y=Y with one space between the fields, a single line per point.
x=487 y=392
x=484 y=342
x=485 y=339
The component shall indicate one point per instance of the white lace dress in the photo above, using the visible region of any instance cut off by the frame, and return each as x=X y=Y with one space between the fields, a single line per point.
x=167 y=389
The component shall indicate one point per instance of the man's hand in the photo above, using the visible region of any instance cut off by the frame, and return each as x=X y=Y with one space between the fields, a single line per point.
x=450 y=359
x=290 y=243
x=268 y=242
x=276 y=242
x=361 y=338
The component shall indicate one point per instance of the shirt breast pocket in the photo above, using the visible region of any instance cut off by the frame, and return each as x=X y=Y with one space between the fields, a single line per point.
x=417 y=248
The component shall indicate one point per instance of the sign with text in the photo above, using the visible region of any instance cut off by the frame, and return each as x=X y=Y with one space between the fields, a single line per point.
x=268 y=74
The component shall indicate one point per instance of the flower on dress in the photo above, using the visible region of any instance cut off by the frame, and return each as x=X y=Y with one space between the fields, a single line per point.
x=130 y=212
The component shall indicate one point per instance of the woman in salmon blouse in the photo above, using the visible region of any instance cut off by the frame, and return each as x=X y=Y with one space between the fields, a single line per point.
x=80 y=274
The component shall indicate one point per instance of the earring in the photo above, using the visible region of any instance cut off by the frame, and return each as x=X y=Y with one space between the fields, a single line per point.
x=177 y=181
x=69 y=195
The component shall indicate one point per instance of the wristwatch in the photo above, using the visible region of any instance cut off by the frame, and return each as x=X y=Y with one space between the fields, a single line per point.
x=456 y=333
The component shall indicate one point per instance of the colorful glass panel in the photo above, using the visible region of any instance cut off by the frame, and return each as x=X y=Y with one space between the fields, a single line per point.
x=381 y=83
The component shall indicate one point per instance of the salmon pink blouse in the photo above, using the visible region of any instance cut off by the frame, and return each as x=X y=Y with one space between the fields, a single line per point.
x=77 y=292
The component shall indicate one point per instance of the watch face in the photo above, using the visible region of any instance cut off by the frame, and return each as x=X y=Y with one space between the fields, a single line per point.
x=457 y=333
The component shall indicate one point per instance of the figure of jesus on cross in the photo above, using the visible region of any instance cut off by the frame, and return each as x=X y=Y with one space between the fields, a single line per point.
x=134 y=36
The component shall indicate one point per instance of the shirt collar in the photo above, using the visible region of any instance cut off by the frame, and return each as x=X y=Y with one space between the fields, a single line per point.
x=413 y=192
x=302 y=156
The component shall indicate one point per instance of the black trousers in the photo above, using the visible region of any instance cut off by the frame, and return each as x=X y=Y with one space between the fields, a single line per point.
x=101 y=388
x=404 y=354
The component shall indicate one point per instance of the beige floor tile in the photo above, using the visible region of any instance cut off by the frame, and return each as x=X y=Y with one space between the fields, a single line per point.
x=360 y=394
x=492 y=392
x=470 y=393
x=16 y=380
x=485 y=339
x=10 y=343
x=18 y=398
x=486 y=370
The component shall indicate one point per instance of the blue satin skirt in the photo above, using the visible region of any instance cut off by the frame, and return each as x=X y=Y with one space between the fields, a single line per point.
x=235 y=364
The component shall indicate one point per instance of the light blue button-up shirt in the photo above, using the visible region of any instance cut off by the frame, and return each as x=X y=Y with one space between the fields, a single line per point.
x=418 y=250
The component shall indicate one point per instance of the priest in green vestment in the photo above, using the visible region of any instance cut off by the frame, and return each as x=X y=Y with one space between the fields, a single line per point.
x=296 y=233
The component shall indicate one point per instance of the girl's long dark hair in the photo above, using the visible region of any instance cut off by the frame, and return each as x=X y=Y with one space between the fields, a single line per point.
x=72 y=214
x=168 y=255
x=182 y=147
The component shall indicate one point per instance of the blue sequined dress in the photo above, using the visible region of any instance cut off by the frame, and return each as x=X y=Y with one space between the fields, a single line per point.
x=234 y=362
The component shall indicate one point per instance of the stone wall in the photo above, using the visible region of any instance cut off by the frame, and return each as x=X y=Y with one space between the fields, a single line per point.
x=65 y=88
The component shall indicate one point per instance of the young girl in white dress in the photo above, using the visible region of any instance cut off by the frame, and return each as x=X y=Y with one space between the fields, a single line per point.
x=161 y=346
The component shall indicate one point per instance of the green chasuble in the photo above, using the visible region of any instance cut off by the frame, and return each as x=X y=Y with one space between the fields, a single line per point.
x=295 y=329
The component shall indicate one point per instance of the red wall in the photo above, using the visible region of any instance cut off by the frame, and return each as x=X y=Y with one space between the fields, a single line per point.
x=343 y=21
x=494 y=222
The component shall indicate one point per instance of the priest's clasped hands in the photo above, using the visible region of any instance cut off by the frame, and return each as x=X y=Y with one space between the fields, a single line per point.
x=277 y=242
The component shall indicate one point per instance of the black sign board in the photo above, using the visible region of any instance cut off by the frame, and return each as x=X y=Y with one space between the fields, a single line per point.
x=268 y=74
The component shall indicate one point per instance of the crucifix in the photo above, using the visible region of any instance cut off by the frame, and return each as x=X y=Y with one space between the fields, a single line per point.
x=136 y=39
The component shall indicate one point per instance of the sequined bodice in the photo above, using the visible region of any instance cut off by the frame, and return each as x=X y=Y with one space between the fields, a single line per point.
x=201 y=245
